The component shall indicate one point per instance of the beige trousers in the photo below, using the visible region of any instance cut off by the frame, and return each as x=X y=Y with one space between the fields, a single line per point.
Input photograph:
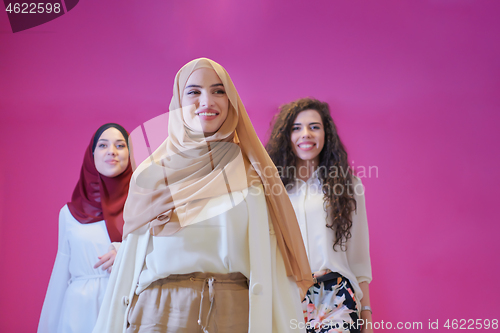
x=194 y=303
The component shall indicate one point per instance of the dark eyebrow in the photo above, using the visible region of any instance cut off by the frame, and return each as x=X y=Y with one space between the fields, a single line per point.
x=315 y=123
x=197 y=86
x=108 y=140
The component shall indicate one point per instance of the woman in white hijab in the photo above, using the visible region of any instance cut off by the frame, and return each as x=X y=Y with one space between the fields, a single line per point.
x=211 y=242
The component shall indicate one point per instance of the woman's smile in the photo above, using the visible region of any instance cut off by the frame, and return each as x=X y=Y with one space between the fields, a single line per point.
x=306 y=146
x=207 y=114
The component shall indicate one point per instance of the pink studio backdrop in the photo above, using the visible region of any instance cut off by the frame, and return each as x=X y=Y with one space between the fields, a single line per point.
x=413 y=87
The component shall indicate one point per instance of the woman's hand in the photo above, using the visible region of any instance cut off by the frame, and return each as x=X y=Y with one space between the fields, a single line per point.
x=367 y=317
x=321 y=273
x=106 y=261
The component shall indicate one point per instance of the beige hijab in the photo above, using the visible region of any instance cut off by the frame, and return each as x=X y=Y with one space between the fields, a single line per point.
x=171 y=188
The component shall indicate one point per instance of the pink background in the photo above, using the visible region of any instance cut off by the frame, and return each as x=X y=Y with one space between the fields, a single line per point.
x=413 y=87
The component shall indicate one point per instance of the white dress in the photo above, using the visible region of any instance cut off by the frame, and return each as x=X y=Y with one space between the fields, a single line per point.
x=76 y=289
x=236 y=237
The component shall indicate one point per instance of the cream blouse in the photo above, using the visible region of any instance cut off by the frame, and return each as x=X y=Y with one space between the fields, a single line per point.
x=217 y=244
x=354 y=263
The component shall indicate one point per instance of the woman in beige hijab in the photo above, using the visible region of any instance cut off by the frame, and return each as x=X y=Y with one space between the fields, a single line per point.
x=211 y=242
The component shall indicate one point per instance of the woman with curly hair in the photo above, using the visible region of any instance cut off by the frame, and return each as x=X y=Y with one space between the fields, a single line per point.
x=330 y=206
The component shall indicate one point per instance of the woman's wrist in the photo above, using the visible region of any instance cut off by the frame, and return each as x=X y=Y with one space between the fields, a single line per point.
x=366 y=308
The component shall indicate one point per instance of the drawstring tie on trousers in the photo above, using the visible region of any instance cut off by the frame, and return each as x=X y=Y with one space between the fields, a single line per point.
x=211 y=294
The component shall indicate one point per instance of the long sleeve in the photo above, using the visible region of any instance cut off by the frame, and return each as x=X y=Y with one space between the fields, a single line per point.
x=51 y=310
x=115 y=246
x=358 y=247
x=275 y=304
x=260 y=284
x=287 y=307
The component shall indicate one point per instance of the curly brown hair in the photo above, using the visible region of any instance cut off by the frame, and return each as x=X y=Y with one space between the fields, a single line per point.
x=333 y=169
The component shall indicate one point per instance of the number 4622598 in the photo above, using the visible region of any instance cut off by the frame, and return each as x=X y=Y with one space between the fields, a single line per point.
x=33 y=8
x=471 y=324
